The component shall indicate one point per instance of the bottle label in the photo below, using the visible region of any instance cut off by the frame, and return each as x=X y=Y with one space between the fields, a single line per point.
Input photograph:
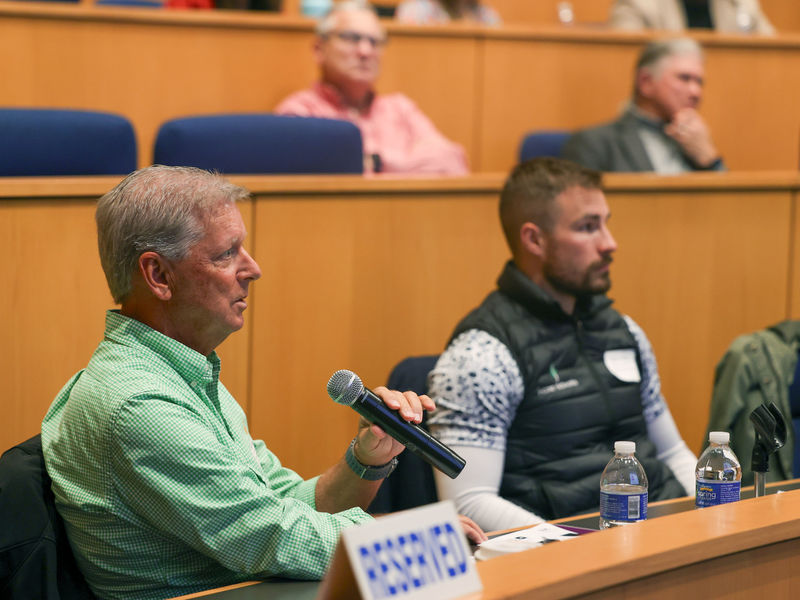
x=713 y=493
x=623 y=507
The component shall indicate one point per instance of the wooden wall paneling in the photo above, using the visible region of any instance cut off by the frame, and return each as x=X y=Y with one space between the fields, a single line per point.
x=359 y=273
x=783 y=14
x=575 y=78
x=153 y=70
x=695 y=271
x=794 y=267
x=748 y=104
x=52 y=305
x=546 y=11
x=357 y=283
x=542 y=82
x=483 y=87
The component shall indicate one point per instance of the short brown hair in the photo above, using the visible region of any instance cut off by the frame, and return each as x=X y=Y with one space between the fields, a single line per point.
x=531 y=189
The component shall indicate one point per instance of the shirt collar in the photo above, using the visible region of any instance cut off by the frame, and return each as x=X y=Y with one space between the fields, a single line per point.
x=188 y=363
x=645 y=120
x=332 y=94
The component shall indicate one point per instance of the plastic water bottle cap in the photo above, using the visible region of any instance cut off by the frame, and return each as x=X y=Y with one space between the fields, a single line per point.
x=719 y=437
x=624 y=447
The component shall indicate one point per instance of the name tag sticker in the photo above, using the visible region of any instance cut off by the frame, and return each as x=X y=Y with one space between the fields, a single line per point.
x=420 y=553
x=622 y=365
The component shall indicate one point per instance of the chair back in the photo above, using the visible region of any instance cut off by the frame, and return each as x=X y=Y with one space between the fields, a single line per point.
x=260 y=143
x=36 y=560
x=542 y=143
x=36 y=141
x=411 y=484
x=794 y=405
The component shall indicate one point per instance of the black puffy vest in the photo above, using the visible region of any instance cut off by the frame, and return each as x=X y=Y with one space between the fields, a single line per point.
x=573 y=409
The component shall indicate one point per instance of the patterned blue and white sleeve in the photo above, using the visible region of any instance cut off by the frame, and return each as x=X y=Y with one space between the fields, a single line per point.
x=477 y=387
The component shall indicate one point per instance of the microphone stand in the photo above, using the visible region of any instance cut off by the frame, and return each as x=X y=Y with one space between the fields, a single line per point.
x=770 y=429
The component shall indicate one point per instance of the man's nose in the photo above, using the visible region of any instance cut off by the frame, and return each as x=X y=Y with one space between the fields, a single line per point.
x=365 y=46
x=696 y=90
x=250 y=270
x=607 y=243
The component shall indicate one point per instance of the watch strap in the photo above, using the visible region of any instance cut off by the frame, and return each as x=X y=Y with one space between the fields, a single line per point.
x=367 y=472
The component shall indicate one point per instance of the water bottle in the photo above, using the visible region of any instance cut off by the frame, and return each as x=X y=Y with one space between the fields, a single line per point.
x=315 y=8
x=745 y=22
x=565 y=12
x=623 y=488
x=718 y=472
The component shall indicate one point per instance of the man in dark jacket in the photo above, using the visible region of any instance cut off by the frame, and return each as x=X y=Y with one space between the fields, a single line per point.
x=544 y=376
x=660 y=130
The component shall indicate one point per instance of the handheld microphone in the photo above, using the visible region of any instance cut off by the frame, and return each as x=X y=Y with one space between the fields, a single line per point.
x=345 y=387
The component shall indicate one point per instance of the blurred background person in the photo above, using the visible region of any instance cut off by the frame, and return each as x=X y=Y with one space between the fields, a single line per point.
x=733 y=16
x=759 y=368
x=425 y=12
x=661 y=129
x=398 y=137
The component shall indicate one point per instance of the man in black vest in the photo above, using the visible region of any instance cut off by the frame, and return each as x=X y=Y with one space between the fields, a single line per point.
x=544 y=376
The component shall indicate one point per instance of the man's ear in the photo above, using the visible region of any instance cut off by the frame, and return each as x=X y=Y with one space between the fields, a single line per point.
x=644 y=83
x=156 y=273
x=316 y=48
x=532 y=239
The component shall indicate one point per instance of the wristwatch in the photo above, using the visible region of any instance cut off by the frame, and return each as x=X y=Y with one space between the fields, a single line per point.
x=368 y=472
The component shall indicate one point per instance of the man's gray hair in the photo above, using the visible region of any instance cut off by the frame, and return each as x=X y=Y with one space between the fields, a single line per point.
x=156 y=209
x=327 y=23
x=654 y=53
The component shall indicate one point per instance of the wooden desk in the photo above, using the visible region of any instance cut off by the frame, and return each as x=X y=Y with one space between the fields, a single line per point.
x=483 y=87
x=737 y=550
x=360 y=273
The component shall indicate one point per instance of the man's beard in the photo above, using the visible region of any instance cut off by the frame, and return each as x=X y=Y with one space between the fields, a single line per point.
x=575 y=284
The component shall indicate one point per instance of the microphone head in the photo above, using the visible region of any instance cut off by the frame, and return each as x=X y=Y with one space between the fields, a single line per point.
x=344 y=387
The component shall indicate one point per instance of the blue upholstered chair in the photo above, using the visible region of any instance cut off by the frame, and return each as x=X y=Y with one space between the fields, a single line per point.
x=411 y=484
x=260 y=143
x=542 y=143
x=36 y=141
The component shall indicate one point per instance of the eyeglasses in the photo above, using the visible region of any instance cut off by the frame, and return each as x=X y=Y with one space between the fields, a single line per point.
x=355 y=38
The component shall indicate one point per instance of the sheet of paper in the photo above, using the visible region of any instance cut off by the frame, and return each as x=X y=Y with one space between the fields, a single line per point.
x=524 y=539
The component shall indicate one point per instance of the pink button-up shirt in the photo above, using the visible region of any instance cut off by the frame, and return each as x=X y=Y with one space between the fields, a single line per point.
x=392 y=127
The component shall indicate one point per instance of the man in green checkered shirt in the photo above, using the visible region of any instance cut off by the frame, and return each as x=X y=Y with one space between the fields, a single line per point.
x=162 y=490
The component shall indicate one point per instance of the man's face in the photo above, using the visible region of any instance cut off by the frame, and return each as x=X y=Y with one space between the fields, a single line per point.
x=351 y=53
x=577 y=250
x=210 y=284
x=675 y=84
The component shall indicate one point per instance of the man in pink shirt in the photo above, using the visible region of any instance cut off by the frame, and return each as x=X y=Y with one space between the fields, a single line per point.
x=398 y=138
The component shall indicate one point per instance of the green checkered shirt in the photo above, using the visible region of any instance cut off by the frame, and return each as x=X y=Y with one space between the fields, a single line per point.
x=162 y=489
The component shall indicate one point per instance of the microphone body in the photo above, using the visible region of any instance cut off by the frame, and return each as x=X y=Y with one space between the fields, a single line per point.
x=346 y=388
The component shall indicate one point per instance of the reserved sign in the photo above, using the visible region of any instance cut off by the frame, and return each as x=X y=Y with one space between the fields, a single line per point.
x=418 y=553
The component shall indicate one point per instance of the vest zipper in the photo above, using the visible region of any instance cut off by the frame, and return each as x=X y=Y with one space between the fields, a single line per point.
x=593 y=371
